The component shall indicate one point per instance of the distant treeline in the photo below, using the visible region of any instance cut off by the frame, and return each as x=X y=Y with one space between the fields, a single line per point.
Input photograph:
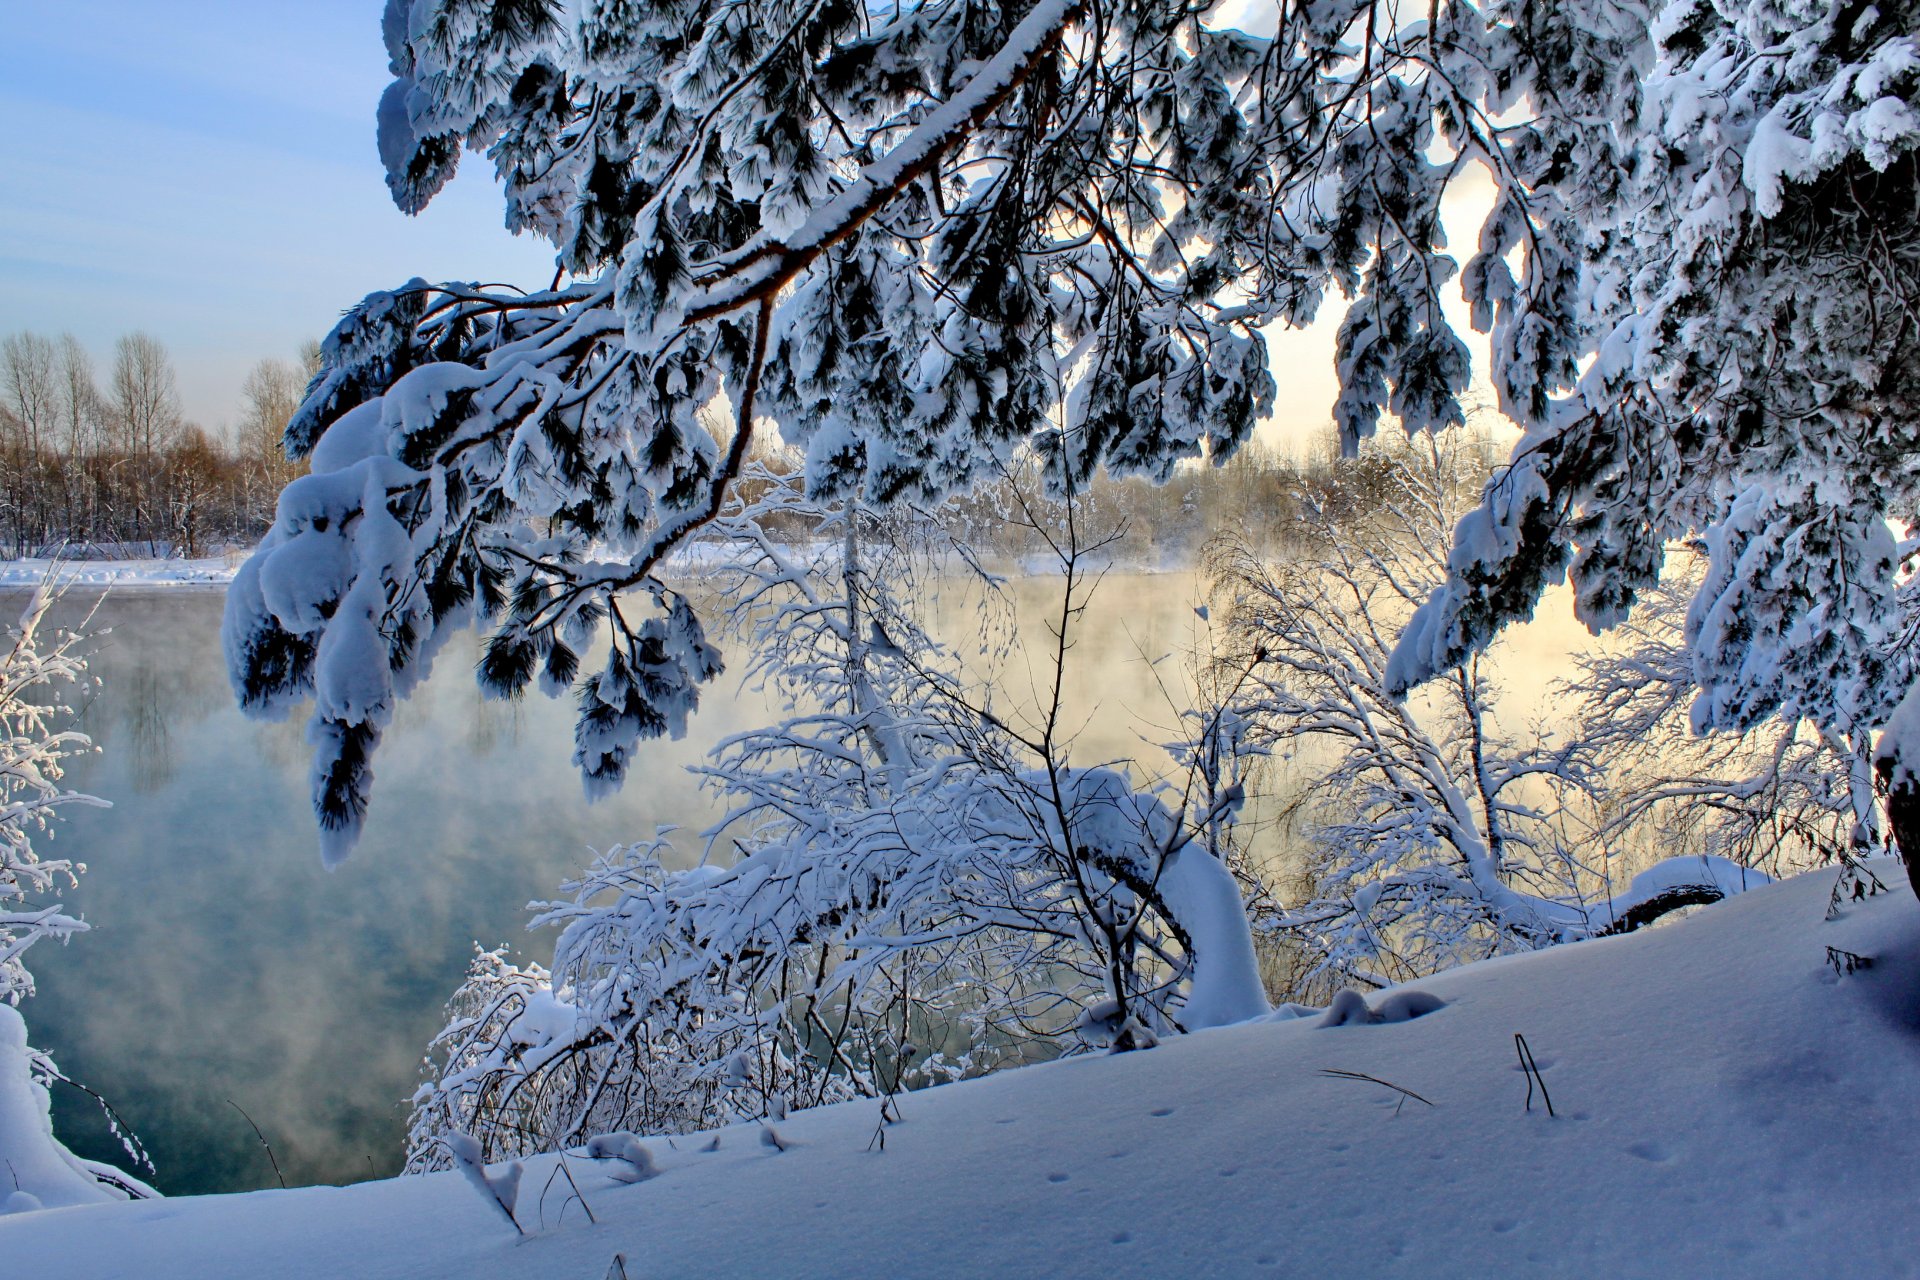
x=114 y=468
x=1258 y=496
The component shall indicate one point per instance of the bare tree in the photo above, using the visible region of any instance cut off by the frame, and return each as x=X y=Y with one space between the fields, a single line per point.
x=82 y=434
x=272 y=392
x=30 y=384
x=85 y=468
x=146 y=416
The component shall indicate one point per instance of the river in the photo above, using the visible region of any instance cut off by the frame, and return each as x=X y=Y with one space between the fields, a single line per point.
x=226 y=969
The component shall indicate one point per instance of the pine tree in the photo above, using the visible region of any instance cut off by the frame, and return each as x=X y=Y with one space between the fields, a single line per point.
x=922 y=238
x=1747 y=309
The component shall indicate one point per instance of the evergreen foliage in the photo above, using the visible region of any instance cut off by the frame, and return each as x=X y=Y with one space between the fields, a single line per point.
x=921 y=238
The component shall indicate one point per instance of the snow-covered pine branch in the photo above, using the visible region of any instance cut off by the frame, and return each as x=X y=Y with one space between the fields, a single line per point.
x=898 y=233
x=919 y=239
x=1741 y=179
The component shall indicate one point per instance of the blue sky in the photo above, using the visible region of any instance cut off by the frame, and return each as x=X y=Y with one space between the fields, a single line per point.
x=205 y=170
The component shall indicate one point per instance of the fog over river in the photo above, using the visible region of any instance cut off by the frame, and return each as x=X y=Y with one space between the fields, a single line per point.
x=224 y=963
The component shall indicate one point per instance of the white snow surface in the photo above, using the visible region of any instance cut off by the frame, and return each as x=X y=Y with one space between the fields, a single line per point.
x=1726 y=1104
x=211 y=571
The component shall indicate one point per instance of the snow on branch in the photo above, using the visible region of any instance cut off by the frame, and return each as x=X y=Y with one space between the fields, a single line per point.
x=901 y=866
x=40 y=666
x=1438 y=833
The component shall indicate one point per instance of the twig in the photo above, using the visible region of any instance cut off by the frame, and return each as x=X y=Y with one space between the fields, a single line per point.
x=1846 y=962
x=1532 y=1070
x=561 y=1170
x=576 y=1192
x=1361 y=1075
x=129 y=1140
x=263 y=1142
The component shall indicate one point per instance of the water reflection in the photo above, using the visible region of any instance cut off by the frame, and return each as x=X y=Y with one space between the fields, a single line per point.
x=225 y=963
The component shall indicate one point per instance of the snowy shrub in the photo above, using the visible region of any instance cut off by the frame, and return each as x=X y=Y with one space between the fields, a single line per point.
x=909 y=882
x=38 y=670
x=1788 y=794
x=1435 y=833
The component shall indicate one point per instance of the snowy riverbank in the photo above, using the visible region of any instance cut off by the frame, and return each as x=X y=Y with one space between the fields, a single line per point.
x=1725 y=1103
x=123 y=575
x=157 y=574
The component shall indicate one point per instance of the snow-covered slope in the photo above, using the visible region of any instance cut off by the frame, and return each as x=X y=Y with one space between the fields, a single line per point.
x=1726 y=1104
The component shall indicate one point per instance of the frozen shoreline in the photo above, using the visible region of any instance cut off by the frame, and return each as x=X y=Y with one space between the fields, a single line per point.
x=217 y=572
x=208 y=572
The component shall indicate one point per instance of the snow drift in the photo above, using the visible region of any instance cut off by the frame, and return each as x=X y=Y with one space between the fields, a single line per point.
x=1725 y=1100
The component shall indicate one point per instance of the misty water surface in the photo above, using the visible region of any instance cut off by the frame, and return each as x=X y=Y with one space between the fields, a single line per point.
x=225 y=963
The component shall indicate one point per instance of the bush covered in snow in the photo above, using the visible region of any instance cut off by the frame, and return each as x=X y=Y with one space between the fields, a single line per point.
x=911 y=881
x=38 y=671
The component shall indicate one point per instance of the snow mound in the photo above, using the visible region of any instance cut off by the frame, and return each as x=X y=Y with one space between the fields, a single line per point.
x=1726 y=1101
x=1350 y=1008
x=35 y=1169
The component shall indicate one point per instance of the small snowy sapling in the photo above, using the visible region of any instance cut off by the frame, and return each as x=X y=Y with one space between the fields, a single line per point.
x=501 y=1190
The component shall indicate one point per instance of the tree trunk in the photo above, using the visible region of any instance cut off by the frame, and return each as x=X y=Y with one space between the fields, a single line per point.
x=1903 y=816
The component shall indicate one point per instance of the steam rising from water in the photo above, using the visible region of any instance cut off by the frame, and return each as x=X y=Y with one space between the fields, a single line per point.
x=224 y=963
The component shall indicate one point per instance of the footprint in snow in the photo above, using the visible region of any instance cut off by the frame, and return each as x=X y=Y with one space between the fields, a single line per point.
x=1652 y=1152
x=1056 y=1177
x=1161 y=1111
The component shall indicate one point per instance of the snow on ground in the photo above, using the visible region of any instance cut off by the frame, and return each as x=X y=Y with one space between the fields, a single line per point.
x=121 y=575
x=218 y=571
x=1726 y=1104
